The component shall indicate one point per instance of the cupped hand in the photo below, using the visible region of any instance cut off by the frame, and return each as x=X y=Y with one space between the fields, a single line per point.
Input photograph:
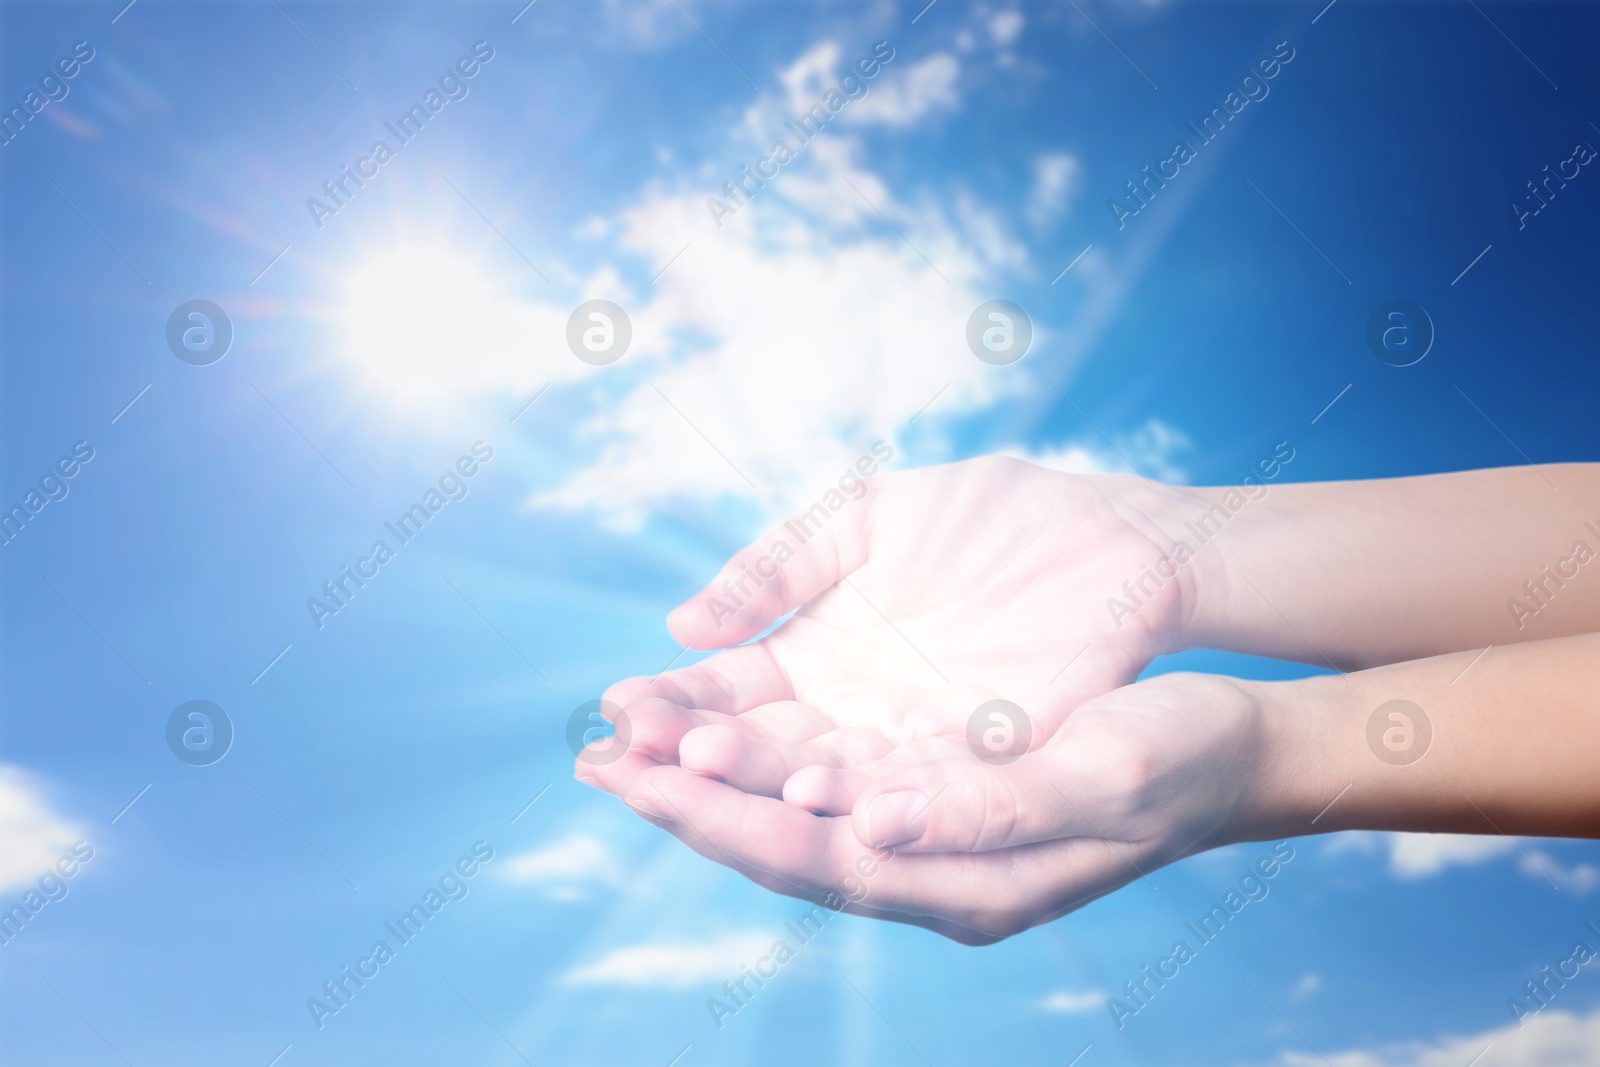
x=932 y=592
x=979 y=851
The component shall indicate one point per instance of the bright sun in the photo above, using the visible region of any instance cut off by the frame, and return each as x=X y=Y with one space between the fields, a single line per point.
x=425 y=322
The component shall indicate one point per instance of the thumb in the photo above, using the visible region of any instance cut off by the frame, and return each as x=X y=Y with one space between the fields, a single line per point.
x=777 y=574
x=967 y=805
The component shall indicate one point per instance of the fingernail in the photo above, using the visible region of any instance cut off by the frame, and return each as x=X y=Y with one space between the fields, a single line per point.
x=898 y=817
x=647 y=809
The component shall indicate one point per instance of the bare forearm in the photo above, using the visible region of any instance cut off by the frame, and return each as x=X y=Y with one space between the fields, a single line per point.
x=1355 y=574
x=1506 y=743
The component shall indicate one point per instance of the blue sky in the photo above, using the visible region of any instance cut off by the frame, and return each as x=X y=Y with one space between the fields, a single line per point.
x=372 y=352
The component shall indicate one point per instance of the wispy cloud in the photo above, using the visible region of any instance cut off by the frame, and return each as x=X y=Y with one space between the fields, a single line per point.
x=1579 y=878
x=673 y=965
x=1307 y=986
x=1056 y=176
x=1005 y=27
x=1550 y=1039
x=1153 y=449
x=802 y=330
x=34 y=835
x=568 y=870
x=1415 y=856
x=910 y=94
x=1066 y=1001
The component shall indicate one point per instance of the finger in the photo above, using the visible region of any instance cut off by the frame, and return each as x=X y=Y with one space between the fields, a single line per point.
x=964 y=804
x=759 y=764
x=990 y=895
x=956 y=931
x=621 y=694
x=811 y=855
x=776 y=575
x=615 y=775
x=833 y=788
x=825 y=790
x=753 y=764
x=730 y=682
x=647 y=734
x=785 y=720
x=656 y=727
x=757 y=832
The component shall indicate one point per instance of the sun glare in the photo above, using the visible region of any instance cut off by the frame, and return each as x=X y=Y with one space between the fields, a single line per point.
x=425 y=322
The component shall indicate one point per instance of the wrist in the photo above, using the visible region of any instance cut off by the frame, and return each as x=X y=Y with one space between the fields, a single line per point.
x=1162 y=514
x=1230 y=534
x=1304 y=761
x=1362 y=751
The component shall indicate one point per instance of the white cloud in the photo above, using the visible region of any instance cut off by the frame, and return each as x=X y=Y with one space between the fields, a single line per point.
x=771 y=346
x=1579 y=878
x=567 y=870
x=904 y=96
x=1308 y=984
x=1055 y=178
x=1005 y=27
x=644 y=23
x=1152 y=450
x=1550 y=1039
x=791 y=338
x=1413 y=856
x=674 y=965
x=809 y=77
x=34 y=836
x=1424 y=855
x=1064 y=1000
x=403 y=308
x=897 y=96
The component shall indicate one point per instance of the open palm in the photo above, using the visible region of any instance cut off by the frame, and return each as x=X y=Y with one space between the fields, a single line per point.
x=938 y=590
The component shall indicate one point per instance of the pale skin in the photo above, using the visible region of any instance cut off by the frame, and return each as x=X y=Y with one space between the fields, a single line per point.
x=838 y=744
